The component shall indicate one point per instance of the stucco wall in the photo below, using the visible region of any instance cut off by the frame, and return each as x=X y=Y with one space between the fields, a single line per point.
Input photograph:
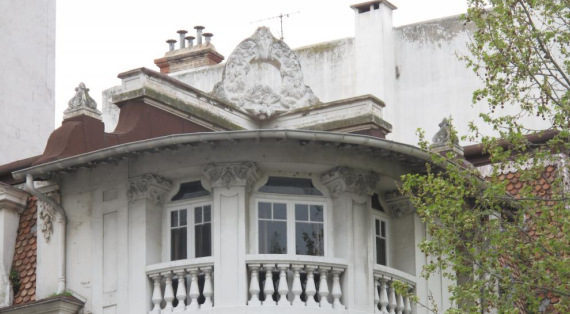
x=27 y=80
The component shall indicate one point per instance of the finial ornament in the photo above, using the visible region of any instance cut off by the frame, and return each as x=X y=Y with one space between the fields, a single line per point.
x=82 y=104
x=444 y=135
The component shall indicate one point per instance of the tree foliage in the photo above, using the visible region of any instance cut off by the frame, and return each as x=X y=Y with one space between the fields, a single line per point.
x=505 y=238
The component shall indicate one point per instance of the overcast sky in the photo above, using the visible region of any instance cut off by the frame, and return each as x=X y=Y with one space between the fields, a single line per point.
x=98 y=39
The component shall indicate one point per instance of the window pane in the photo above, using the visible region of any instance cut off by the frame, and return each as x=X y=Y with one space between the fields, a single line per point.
x=197 y=215
x=264 y=210
x=301 y=212
x=376 y=203
x=381 y=251
x=377 y=227
x=293 y=186
x=279 y=211
x=316 y=213
x=383 y=229
x=272 y=237
x=178 y=244
x=203 y=238
x=309 y=239
x=190 y=190
x=174 y=218
x=183 y=217
x=207 y=213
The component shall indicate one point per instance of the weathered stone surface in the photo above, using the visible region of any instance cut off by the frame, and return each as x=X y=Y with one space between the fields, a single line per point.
x=257 y=97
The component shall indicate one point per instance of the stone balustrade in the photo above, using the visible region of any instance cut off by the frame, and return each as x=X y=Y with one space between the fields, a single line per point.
x=386 y=299
x=275 y=281
x=171 y=294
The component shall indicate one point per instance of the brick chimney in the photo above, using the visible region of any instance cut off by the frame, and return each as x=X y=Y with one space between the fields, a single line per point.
x=191 y=56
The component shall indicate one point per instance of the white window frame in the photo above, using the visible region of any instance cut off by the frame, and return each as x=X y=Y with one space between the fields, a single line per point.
x=189 y=206
x=378 y=215
x=290 y=201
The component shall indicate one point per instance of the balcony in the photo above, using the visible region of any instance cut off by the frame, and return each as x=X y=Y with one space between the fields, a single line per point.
x=276 y=283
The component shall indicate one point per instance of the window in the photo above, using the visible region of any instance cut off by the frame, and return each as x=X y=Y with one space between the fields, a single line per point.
x=203 y=231
x=190 y=190
x=286 y=224
x=178 y=235
x=380 y=241
x=190 y=231
x=272 y=220
x=309 y=229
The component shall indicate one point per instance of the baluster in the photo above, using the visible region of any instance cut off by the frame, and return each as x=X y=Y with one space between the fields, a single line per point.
x=268 y=288
x=208 y=289
x=336 y=290
x=376 y=295
x=311 y=289
x=181 y=291
x=156 y=294
x=407 y=306
x=283 y=288
x=383 y=296
x=194 y=293
x=254 y=285
x=297 y=288
x=399 y=304
x=391 y=299
x=168 y=292
x=324 y=288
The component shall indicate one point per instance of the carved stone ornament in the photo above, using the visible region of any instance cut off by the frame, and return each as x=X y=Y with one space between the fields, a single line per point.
x=398 y=205
x=149 y=186
x=81 y=103
x=444 y=135
x=344 y=179
x=256 y=97
x=47 y=218
x=232 y=174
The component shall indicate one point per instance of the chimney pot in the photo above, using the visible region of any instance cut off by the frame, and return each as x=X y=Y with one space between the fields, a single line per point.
x=208 y=37
x=171 y=43
x=182 y=33
x=199 y=34
x=190 y=40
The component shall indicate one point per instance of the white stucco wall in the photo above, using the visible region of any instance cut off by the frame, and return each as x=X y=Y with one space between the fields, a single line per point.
x=27 y=77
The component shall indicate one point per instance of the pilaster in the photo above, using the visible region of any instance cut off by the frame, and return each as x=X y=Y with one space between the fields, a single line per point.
x=146 y=195
x=12 y=203
x=350 y=190
x=231 y=183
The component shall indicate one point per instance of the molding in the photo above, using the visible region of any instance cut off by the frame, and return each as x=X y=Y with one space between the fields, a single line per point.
x=344 y=179
x=46 y=214
x=232 y=174
x=13 y=199
x=149 y=186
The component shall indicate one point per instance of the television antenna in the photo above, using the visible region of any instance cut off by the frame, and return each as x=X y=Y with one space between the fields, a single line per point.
x=280 y=16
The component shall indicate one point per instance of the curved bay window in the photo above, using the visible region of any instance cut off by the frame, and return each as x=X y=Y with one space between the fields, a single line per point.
x=291 y=225
x=190 y=222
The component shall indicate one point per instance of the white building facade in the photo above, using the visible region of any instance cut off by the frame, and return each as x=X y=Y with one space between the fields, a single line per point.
x=261 y=185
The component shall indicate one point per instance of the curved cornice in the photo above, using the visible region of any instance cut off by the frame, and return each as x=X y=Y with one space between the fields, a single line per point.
x=407 y=154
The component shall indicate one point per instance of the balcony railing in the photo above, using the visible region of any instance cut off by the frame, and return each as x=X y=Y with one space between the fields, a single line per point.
x=275 y=280
x=386 y=299
x=182 y=285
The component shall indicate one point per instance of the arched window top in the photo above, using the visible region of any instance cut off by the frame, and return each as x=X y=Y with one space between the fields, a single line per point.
x=291 y=186
x=189 y=190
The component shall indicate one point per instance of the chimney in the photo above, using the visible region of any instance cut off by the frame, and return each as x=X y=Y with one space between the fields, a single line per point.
x=196 y=56
x=190 y=41
x=208 y=37
x=182 y=33
x=171 y=43
x=199 y=34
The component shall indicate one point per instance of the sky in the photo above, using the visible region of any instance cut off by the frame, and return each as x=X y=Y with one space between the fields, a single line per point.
x=97 y=40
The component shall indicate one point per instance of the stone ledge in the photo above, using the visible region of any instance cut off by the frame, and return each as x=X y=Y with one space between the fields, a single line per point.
x=54 y=305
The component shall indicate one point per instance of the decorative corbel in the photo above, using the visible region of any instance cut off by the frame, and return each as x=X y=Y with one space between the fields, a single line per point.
x=232 y=174
x=149 y=186
x=398 y=205
x=345 y=179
